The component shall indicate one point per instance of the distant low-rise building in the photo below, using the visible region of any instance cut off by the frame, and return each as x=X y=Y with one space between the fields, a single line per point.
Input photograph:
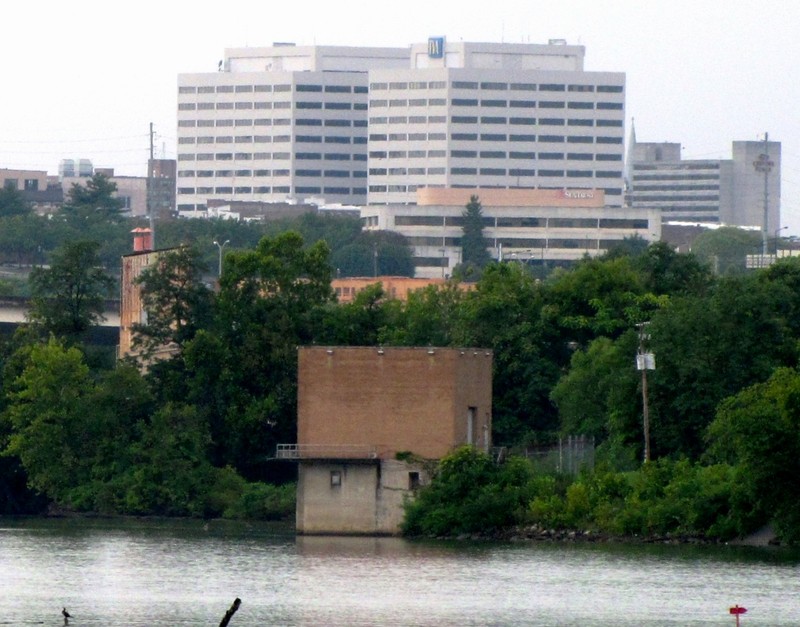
x=250 y=210
x=42 y=191
x=539 y=226
x=132 y=311
x=162 y=177
x=398 y=287
x=24 y=180
x=722 y=191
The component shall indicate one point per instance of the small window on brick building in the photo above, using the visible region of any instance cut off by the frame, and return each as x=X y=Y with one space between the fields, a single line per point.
x=336 y=478
x=413 y=480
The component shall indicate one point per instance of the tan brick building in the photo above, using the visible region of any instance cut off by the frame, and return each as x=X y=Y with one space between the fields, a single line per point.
x=369 y=421
x=398 y=287
x=132 y=311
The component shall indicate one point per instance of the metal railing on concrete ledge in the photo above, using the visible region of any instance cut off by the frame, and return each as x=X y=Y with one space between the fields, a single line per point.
x=325 y=451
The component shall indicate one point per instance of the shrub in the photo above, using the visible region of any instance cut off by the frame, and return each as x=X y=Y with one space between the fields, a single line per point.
x=470 y=494
x=263 y=501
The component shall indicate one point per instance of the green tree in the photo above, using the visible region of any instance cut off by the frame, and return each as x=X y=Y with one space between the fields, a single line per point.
x=362 y=322
x=666 y=271
x=94 y=201
x=429 y=317
x=474 y=253
x=68 y=297
x=177 y=302
x=633 y=246
x=599 y=297
x=47 y=413
x=171 y=475
x=599 y=396
x=758 y=430
x=469 y=493
x=243 y=374
x=394 y=254
x=13 y=203
x=709 y=348
x=783 y=280
x=381 y=253
x=725 y=249
x=72 y=432
x=24 y=239
x=506 y=313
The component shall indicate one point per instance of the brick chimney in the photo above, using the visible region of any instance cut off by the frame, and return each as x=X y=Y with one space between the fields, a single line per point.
x=142 y=240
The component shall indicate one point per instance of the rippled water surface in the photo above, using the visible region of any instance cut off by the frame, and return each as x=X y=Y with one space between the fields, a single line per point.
x=184 y=573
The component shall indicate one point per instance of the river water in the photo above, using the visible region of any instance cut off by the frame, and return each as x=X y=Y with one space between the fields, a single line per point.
x=168 y=573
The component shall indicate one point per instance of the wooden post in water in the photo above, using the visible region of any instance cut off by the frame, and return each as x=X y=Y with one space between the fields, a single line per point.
x=231 y=611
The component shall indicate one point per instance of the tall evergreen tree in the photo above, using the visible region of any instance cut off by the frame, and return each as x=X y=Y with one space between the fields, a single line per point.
x=94 y=201
x=474 y=253
x=13 y=203
x=68 y=297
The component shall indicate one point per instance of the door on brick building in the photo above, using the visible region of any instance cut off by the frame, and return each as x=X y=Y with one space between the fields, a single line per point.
x=471 y=413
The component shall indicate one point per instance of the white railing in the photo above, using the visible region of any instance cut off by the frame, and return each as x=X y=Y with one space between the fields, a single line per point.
x=325 y=451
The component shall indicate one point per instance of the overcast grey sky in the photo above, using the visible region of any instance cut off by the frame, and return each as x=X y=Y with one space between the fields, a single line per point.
x=86 y=79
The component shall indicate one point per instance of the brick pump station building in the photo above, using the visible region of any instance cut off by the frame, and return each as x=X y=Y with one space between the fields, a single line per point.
x=370 y=422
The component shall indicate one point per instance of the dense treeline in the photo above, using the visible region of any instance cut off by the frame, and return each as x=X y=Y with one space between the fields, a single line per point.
x=91 y=213
x=194 y=435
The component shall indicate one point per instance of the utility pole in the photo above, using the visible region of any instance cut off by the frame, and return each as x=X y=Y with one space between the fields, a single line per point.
x=764 y=164
x=150 y=191
x=645 y=361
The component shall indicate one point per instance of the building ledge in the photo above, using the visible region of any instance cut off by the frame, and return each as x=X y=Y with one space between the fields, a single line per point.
x=300 y=452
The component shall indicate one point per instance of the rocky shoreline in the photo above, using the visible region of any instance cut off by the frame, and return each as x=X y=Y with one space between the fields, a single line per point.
x=538 y=533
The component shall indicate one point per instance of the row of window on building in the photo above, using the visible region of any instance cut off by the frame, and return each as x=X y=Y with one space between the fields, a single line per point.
x=382 y=86
x=522 y=222
x=266 y=88
x=402 y=154
x=397 y=154
x=678 y=177
x=498 y=86
x=433 y=171
x=558 y=139
x=552 y=244
x=497 y=172
x=299 y=189
x=474 y=119
x=246 y=105
x=672 y=198
x=471 y=120
x=609 y=191
x=380 y=137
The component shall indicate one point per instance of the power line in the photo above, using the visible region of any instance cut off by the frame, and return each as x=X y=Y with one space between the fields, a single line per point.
x=65 y=150
x=71 y=141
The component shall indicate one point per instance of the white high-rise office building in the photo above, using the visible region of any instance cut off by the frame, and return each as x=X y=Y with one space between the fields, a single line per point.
x=495 y=115
x=373 y=125
x=277 y=123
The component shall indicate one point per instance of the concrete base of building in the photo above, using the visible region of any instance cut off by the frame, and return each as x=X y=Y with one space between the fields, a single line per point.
x=348 y=497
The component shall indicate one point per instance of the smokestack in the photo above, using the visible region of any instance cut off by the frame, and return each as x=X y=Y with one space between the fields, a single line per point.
x=142 y=240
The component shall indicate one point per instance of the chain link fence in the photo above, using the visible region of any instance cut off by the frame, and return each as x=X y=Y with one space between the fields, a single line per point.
x=571 y=455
